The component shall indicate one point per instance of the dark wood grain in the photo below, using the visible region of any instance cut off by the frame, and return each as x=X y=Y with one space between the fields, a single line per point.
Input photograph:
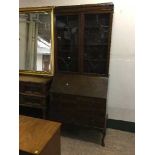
x=85 y=8
x=79 y=97
x=82 y=11
x=80 y=85
x=109 y=44
x=79 y=100
x=34 y=92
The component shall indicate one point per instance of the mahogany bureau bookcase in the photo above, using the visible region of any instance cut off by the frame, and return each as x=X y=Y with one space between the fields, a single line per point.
x=82 y=52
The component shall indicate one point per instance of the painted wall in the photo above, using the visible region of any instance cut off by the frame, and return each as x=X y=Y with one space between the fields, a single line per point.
x=121 y=93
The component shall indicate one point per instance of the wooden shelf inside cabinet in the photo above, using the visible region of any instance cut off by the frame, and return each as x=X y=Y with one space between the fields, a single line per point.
x=96 y=27
x=96 y=44
x=34 y=92
x=96 y=60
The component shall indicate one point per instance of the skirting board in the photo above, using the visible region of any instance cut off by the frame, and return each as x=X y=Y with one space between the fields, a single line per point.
x=121 y=125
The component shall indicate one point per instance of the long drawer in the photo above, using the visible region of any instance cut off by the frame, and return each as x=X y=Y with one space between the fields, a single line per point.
x=78 y=109
x=32 y=100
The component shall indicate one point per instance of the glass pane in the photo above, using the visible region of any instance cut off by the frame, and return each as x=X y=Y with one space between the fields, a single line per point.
x=34 y=41
x=96 y=43
x=67 y=42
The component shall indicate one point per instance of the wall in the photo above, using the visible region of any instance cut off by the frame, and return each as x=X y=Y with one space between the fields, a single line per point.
x=121 y=94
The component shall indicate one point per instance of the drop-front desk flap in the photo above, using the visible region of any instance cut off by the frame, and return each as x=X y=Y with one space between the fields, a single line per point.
x=80 y=85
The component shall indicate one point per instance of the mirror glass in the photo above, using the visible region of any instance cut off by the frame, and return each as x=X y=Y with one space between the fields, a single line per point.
x=35 y=41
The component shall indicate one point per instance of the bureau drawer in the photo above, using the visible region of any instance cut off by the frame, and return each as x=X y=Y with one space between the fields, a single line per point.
x=33 y=88
x=64 y=102
x=79 y=110
x=32 y=100
x=84 y=104
x=98 y=124
x=90 y=103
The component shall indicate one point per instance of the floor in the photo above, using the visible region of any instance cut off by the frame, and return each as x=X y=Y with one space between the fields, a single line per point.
x=88 y=143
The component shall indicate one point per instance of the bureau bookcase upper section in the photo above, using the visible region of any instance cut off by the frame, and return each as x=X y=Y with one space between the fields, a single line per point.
x=82 y=38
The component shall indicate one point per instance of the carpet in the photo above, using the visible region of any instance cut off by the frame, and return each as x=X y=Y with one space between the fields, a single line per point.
x=87 y=142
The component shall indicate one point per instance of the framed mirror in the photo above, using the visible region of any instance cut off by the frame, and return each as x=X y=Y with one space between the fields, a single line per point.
x=36 y=41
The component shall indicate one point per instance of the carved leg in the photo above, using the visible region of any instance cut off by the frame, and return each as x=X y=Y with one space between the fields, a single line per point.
x=103 y=136
x=103 y=144
x=104 y=131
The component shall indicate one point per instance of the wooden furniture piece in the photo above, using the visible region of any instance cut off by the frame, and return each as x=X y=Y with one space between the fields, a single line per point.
x=34 y=92
x=38 y=136
x=82 y=52
x=82 y=38
x=80 y=100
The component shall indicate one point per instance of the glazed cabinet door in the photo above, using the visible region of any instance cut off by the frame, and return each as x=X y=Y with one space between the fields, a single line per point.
x=96 y=34
x=67 y=30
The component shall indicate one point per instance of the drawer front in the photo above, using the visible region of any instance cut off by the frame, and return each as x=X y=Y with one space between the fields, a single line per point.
x=98 y=124
x=84 y=103
x=64 y=102
x=90 y=120
x=32 y=100
x=79 y=110
x=91 y=104
x=33 y=88
x=63 y=108
x=99 y=104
